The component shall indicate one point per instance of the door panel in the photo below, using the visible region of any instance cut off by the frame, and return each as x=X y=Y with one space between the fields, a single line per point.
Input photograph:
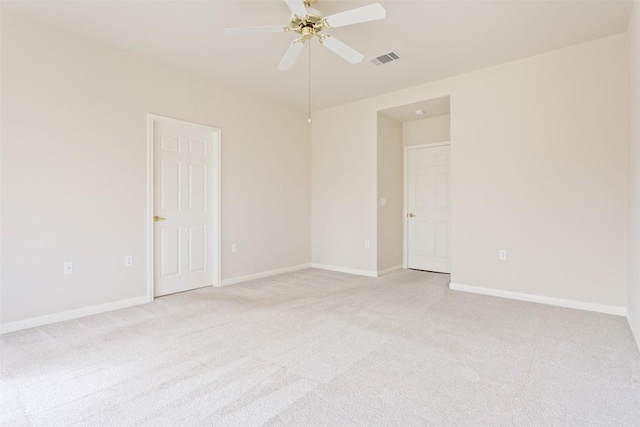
x=169 y=186
x=197 y=187
x=169 y=250
x=197 y=248
x=428 y=192
x=185 y=186
x=197 y=147
x=170 y=143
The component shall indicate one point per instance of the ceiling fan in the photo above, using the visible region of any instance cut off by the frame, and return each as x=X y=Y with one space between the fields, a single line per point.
x=309 y=23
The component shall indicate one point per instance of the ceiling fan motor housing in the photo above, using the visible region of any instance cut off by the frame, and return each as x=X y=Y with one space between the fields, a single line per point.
x=309 y=25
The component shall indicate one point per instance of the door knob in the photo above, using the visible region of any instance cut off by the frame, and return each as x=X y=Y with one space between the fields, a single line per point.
x=410 y=215
x=157 y=218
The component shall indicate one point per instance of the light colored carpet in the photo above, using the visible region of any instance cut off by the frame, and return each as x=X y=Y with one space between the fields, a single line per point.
x=317 y=348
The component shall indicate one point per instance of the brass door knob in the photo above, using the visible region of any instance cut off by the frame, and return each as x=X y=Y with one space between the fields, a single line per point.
x=410 y=215
x=157 y=218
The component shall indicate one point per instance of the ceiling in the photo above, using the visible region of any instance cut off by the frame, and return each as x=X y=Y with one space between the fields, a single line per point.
x=436 y=39
x=419 y=110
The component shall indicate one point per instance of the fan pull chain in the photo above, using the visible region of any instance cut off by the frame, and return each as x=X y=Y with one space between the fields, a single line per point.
x=309 y=81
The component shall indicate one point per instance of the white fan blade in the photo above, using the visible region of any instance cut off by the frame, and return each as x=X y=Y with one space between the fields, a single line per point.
x=357 y=15
x=346 y=51
x=241 y=31
x=297 y=7
x=290 y=55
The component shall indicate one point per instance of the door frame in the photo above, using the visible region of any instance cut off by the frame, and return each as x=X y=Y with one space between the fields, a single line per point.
x=152 y=119
x=405 y=198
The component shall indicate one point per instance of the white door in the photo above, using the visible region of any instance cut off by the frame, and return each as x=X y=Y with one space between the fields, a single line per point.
x=428 y=209
x=185 y=199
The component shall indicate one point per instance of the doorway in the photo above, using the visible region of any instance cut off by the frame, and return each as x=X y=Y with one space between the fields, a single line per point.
x=420 y=130
x=183 y=206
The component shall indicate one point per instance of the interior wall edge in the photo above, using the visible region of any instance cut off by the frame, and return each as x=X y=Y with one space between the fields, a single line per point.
x=390 y=270
x=632 y=325
x=346 y=270
x=633 y=287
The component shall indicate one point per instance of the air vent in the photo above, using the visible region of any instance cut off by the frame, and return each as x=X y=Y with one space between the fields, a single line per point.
x=386 y=58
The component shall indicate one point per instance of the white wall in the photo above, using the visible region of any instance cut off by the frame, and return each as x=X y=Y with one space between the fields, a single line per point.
x=344 y=188
x=74 y=170
x=539 y=168
x=634 y=181
x=427 y=131
x=389 y=182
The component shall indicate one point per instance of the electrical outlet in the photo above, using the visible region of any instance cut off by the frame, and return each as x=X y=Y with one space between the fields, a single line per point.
x=68 y=267
x=383 y=201
x=367 y=244
x=128 y=260
x=502 y=255
x=234 y=248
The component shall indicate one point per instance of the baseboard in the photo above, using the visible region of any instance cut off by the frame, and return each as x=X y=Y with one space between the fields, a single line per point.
x=345 y=270
x=70 y=315
x=599 y=308
x=262 y=275
x=635 y=332
x=389 y=270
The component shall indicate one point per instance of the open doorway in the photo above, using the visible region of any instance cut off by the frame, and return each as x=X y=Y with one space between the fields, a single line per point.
x=416 y=226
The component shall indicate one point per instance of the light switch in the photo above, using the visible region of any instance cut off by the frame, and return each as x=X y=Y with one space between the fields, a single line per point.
x=383 y=201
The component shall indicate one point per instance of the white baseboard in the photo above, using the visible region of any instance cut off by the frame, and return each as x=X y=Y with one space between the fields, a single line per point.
x=635 y=332
x=389 y=270
x=262 y=275
x=345 y=270
x=69 y=315
x=599 y=308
